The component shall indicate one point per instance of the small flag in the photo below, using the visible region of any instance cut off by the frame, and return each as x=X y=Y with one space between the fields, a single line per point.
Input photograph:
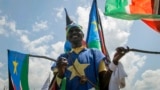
x=18 y=70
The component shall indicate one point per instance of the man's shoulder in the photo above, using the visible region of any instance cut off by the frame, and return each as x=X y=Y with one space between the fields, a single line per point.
x=63 y=55
x=94 y=49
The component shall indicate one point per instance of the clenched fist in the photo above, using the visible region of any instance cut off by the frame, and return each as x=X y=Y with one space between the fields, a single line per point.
x=120 y=51
x=61 y=66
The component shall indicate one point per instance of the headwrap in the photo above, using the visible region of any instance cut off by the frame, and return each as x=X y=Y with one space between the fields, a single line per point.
x=71 y=26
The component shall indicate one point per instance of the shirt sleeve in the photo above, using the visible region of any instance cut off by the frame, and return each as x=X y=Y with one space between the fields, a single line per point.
x=102 y=66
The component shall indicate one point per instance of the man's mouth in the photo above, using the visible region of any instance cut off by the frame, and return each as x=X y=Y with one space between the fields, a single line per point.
x=75 y=36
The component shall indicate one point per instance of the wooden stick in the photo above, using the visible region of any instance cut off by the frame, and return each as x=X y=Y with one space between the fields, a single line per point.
x=51 y=59
x=144 y=51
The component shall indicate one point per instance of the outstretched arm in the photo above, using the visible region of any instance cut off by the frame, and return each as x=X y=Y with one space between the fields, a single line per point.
x=105 y=71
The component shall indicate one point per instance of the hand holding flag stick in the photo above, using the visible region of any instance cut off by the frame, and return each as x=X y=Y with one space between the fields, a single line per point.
x=137 y=50
x=121 y=51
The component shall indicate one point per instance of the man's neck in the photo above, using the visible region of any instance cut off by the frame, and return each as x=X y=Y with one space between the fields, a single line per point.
x=76 y=45
x=78 y=49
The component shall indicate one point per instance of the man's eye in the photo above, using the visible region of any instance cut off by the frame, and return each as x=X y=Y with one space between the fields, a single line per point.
x=77 y=30
x=71 y=31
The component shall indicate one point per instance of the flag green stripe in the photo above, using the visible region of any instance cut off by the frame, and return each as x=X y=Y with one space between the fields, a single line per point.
x=24 y=74
x=63 y=87
x=112 y=6
x=94 y=44
x=132 y=16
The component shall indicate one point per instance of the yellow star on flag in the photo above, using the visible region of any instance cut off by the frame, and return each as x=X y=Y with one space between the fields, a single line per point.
x=79 y=67
x=95 y=24
x=15 y=64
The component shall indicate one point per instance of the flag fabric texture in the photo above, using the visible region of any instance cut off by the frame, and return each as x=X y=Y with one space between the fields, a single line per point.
x=132 y=9
x=153 y=24
x=95 y=38
x=18 y=70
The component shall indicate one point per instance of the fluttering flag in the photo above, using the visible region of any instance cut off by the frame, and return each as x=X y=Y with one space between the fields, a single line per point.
x=95 y=38
x=18 y=70
x=132 y=9
x=153 y=24
x=146 y=10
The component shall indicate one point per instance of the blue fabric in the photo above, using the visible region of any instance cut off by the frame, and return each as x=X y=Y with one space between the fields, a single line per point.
x=93 y=34
x=16 y=71
x=91 y=71
x=67 y=46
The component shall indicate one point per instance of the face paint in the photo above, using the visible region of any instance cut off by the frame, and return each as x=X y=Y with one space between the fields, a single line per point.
x=75 y=35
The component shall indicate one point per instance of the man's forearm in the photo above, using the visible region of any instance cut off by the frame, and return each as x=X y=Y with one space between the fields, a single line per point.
x=104 y=79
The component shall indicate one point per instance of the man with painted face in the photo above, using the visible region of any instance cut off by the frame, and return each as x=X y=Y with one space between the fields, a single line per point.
x=84 y=68
x=81 y=68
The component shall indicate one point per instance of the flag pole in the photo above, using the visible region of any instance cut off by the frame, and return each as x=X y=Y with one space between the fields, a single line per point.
x=45 y=57
x=144 y=51
x=102 y=39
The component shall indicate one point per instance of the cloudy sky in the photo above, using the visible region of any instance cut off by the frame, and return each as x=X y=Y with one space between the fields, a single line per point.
x=38 y=27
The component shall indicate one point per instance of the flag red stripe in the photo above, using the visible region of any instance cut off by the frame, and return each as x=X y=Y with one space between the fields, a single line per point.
x=154 y=24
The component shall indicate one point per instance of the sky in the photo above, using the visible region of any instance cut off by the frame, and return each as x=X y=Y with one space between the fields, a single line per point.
x=38 y=27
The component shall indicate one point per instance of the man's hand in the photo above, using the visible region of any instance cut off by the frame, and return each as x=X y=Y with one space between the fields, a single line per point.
x=120 y=51
x=61 y=66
